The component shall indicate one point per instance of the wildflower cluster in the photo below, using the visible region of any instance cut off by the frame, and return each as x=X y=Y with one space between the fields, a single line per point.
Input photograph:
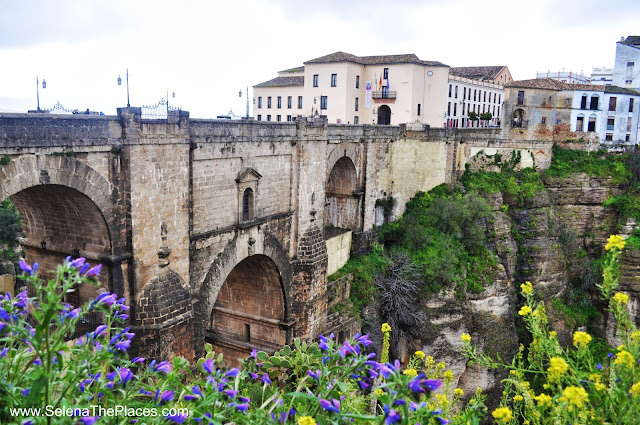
x=549 y=384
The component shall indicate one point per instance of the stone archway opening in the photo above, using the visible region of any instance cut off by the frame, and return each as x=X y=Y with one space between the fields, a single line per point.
x=518 y=118
x=342 y=197
x=59 y=221
x=384 y=115
x=249 y=312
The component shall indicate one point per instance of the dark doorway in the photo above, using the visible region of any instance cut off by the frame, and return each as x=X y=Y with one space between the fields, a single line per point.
x=384 y=115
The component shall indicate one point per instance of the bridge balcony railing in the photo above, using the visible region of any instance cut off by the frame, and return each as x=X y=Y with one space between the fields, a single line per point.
x=383 y=94
x=247 y=220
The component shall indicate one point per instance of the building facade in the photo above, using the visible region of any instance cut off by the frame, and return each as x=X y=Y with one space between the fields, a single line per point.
x=351 y=89
x=546 y=109
x=564 y=76
x=626 y=69
x=602 y=76
x=478 y=89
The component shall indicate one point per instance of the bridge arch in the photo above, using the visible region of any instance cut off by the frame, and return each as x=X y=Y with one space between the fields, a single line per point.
x=245 y=301
x=342 y=195
x=66 y=209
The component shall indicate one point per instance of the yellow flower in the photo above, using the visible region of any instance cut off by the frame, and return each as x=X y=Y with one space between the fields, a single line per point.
x=624 y=358
x=459 y=392
x=378 y=392
x=503 y=414
x=557 y=367
x=411 y=373
x=525 y=311
x=517 y=398
x=595 y=377
x=386 y=327
x=448 y=375
x=615 y=241
x=553 y=334
x=465 y=337
x=306 y=420
x=575 y=395
x=544 y=400
x=635 y=389
x=527 y=288
x=419 y=354
x=600 y=386
x=581 y=339
x=635 y=335
x=621 y=298
x=442 y=399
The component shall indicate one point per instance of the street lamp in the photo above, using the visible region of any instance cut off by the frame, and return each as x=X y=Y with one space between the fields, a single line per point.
x=120 y=83
x=44 y=86
x=240 y=95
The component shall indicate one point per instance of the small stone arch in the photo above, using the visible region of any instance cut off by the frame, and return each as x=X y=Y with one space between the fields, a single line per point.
x=518 y=118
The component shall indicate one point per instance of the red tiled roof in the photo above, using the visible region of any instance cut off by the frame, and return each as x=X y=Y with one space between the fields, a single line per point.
x=374 y=60
x=550 y=84
x=477 y=72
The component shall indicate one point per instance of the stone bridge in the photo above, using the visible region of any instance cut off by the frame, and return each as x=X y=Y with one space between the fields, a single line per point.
x=218 y=230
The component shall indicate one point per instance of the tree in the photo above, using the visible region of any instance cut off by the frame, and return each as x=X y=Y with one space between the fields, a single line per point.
x=472 y=116
x=486 y=116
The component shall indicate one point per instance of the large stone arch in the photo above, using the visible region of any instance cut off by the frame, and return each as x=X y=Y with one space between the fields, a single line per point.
x=67 y=210
x=233 y=255
x=37 y=170
x=342 y=195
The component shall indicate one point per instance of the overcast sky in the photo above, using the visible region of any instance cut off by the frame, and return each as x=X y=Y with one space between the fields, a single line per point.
x=206 y=51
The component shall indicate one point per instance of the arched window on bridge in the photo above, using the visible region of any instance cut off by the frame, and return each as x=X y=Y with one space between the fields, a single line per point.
x=247 y=196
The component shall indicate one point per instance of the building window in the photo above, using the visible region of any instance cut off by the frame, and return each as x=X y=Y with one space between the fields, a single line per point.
x=449 y=90
x=279 y=102
x=356 y=103
x=627 y=138
x=259 y=101
x=594 y=103
x=498 y=110
x=357 y=81
x=580 y=124
x=499 y=99
x=259 y=117
x=323 y=102
x=315 y=80
x=247 y=205
x=629 y=122
x=419 y=109
x=356 y=120
x=385 y=92
x=609 y=137
x=456 y=92
x=485 y=96
x=494 y=97
x=610 y=124
x=630 y=64
x=449 y=109
x=463 y=109
x=334 y=80
x=269 y=102
x=278 y=117
x=289 y=101
x=631 y=105
x=612 y=103
x=591 y=126
x=567 y=102
x=520 y=98
x=299 y=102
x=455 y=109
x=386 y=74
x=464 y=92
x=288 y=117
x=474 y=94
x=268 y=117
x=583 y=102
x=544 y=120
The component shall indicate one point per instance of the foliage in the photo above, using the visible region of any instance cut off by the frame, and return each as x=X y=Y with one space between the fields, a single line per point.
x=595 y=164
x=549 y=384
x=627 y=204
x=486 y=116
x=10 y=229
x=324 y=382
x=521 y=185
x=473 y=116
x=5 y=160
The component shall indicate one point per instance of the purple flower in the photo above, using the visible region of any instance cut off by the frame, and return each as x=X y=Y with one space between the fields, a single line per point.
x=231 y=393
x=100 y=330
x=415 y=386
x=163 y=367
x=25 y=392
x=106 y=298
x=178 y=419
x=315 y=375
x=73 y=314
x=254 y=353
x=94 y=271
x=330 y=406
x=196 y=393
x=4 y=352
x=253 y=375
x=444 y=421
x=78 y=262
x=123 y=345
x=241 y=407
x=391 y=415
x=232 y=373
x=27 y=268
x=265 y=379
x=599 y=366
x=125 y=375
x=363 y=385
x=207 y=365
x=89 y=420
x=431 y=384
x=164 y=396
x=138 y=360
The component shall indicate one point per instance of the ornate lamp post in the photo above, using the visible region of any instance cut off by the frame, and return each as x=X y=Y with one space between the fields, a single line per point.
x=44 y=86
x=120 y=83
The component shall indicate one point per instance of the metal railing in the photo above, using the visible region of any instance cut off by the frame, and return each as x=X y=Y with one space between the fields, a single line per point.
x=383 y=95
x=159 y=111
x=58 y=109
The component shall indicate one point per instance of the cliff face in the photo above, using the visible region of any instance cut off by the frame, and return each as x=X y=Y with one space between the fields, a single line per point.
x=548 y=240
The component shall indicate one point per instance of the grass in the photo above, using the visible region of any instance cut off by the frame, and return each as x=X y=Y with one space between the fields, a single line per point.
x=595 y=164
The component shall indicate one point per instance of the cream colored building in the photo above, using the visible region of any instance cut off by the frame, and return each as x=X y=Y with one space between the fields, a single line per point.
x=351 y=89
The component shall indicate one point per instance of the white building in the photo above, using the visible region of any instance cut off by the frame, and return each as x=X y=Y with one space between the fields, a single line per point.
x=565 y=76
x=478 y=89
x=626 y=70
x=349 y=89
x=602 y=76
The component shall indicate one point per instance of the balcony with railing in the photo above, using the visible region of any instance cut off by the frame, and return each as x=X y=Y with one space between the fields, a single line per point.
x=383 y=94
